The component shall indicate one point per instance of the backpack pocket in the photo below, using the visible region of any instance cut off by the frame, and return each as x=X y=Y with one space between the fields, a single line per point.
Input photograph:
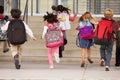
x=54 y=38
x=102 y=41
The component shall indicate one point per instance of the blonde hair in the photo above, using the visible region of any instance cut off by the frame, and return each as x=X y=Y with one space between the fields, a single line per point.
x=108 y=13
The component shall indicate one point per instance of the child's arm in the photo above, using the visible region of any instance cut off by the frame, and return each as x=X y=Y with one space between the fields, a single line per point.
x=94 y=23
x=76 y=26
x=44 y=31
x=29 y=31
x=116 y=25
x=73 y=18
x=5 y=27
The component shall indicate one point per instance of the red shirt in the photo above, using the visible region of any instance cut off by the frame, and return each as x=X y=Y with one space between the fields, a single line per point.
x=1 y=16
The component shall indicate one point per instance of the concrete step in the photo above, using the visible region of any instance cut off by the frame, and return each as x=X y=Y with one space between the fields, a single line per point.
x=37 y=51
x=36 y=54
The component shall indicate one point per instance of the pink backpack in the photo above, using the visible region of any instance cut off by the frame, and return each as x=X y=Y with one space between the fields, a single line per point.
x=54 y=38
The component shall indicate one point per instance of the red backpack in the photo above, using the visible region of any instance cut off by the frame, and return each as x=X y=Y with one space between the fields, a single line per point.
x=103 y=32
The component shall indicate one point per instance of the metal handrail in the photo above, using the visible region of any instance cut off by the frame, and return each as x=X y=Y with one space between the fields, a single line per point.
x=25 y=16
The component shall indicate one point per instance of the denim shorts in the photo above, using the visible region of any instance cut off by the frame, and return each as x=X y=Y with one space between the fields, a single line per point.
x=85 y=43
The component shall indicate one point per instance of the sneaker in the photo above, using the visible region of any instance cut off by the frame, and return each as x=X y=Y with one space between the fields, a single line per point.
x=90 y=61
x=60 y=56
x=102 y=63
x=117 y=66
x=83 y=65
x=16 y=59
x=5 y=50
x=57 y=59
x=19 y=66
x=107 y=69
x=51 y=67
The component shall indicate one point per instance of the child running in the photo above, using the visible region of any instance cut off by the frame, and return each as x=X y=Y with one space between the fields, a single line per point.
x=52 y=23
x=86 y=20
x=17 y=30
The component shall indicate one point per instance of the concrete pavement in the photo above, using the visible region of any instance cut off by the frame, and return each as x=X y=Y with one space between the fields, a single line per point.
x=62 y=71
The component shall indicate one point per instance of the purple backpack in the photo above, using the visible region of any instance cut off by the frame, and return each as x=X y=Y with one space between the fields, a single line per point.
x=86 y=32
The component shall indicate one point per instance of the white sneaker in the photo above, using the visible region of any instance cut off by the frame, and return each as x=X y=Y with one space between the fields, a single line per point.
x=51 y=67
x=57 y=59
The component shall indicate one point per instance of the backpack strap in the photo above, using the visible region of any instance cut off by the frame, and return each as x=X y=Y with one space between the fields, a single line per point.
x=52 y=26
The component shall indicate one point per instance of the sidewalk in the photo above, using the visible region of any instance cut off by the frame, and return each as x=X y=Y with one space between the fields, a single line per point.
x=62 y=71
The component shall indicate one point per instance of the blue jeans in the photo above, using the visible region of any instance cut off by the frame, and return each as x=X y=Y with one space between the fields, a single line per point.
x=106 y=53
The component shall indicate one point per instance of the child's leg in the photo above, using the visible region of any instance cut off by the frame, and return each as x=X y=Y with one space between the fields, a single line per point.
x=56 y=54
x=117 y=59
x=56 y=50
x=61 y=48
x=15 y=56
x=5 y=48
x=13 y=50
x=50 y=56
x=89 y=55
x=19 y=49
x=83 y=57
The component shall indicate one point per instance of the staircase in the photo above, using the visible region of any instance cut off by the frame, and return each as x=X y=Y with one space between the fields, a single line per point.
x=36 y=50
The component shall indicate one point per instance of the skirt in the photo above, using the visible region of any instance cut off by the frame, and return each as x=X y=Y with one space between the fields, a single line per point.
x=85 y=43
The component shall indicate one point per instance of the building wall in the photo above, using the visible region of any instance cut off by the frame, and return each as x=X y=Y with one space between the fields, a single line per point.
x=94 y=6
x=82 y=6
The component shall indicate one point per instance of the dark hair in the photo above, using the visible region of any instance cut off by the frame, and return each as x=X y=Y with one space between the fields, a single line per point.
x=1 y=9
x=50 y=17
x=54 y=7
x=15 y=13
x=61 y=8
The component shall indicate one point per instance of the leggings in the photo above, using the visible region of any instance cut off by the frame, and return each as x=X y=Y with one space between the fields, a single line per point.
x=56 y=51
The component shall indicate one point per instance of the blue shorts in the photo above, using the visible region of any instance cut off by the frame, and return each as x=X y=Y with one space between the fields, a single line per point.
x=85 y=43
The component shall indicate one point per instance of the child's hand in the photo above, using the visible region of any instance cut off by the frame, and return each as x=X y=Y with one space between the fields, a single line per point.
x=73 y=17
x=42 y=37
x=75 y=14
x=76 y=28
x=34 y=38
